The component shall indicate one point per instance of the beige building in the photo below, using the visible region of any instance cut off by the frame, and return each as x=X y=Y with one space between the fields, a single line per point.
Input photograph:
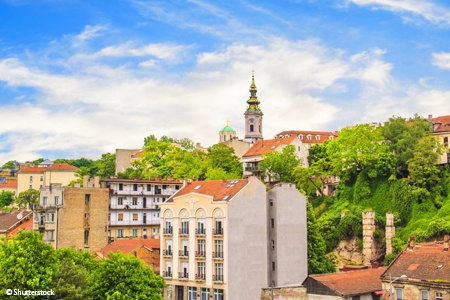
x=230 y=239
x=43 y=175
x=73 y=217
x=134 y=209
x=310 y=138
x=441 y=130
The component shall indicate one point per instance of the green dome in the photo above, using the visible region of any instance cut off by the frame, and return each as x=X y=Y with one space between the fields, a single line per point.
x=228 y=129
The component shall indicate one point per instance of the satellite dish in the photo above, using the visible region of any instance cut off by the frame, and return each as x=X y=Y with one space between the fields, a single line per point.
x=19 y=216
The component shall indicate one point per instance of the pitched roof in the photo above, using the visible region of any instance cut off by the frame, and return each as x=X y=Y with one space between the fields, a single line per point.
x=55 y=167
x=9 y=185
x=317 y=137
x=218 y=189
x=265 y=146
x=129 y=245
x=27 y=225
x=441 y=124
x=352 y=282
x=10 y=220
x=427 y=261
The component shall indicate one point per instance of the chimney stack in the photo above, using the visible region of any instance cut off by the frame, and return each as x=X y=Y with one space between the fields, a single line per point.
x=446 y=240
x=411 y=241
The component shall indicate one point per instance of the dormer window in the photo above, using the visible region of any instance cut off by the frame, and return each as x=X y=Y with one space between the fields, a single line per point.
x=308 y=137
x=318 y=137
x=331 y=137
x=300 y=137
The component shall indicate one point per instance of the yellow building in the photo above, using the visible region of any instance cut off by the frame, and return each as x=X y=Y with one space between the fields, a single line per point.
x=441 y=130
x=43 y=175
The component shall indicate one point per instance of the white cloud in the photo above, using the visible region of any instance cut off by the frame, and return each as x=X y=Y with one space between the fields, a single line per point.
x=89 y=33
x=423 y=8
x=442 y=60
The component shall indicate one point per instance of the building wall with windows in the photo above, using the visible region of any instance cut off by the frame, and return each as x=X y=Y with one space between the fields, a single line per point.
x=134 y=209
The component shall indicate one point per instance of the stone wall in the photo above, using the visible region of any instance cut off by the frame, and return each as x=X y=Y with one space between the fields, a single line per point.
x=285 y=293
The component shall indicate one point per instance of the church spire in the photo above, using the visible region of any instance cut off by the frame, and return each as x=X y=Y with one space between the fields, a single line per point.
x=253 y=115
x=253 y=102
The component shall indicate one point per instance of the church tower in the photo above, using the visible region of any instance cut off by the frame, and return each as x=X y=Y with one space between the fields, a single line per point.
x=253 y=116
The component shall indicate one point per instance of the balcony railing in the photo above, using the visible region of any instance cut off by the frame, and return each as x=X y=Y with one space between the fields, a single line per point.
x=167 y=274
x=183 y=275
x=200 y=277
x=183 y=253
x=218 y=231
x=168 y=231
x=218 y=255
x=167 y=252
x=184 y=231
x=199 y=253
x=252 y=169
x=218 y=278
x=200 y=231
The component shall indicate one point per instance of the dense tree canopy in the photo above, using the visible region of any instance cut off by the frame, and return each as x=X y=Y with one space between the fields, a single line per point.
x=28 y=198
x=6 y=198
x=280 y=166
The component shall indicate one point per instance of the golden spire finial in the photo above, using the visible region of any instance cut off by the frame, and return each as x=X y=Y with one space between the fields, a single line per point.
x=227 y=122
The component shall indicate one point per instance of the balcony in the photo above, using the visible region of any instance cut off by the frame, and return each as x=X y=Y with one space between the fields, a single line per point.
x=200 y=254
x=167 y=252
x=167 y=231
x=200 y=231
x=200 y=277
x=167 y=274
x=183 y=231
x=217 y=231
x=217 y=255
x=218 y=278
x=183 y=275
x=252 y=169
x=183 y=253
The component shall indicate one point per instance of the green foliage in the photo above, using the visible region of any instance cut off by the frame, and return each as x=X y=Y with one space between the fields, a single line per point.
x=11 y=165
x=28 y=198
x=280 y=166
x=220 y=156
x=6 y=198
x=26 y=263
x=362 y=189
x=123 y=276
x=389 y=258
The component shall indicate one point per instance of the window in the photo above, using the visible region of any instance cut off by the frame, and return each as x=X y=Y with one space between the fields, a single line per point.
x=201 y=248
x=273 y=266
x=120 y=201
x=135 y=217
x=120 y=233
x=251 y=128
x=119 y=217
x=149 y=187
x=31 y=179
x=399 y=294
x=44 y=200
x=439 y=296
x=219 y=228
x=424 y=295
x=201 y=226
x=273 y=244
x=204 y=294
x=168 y=228
x=446 y=141
x=218 y=249
x=164 y=186
x=177 y=187
x=184 y=226
x=272 y=223
x=317 y=137
x=135 y=187
x=134 y=201
x=87 y=199
x=218 y=294
x=219 y=272
x=56 y=200
x=135 y=232
x=184 y=270
x=308 y=137
x=201 y=270
x=49 y=235
x=192 y=293
x=50 y=217
x=120 y=186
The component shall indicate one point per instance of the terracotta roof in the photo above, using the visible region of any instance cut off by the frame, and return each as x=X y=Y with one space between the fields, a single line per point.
x=9 y=185
x=27 y=225
x=427 y=261
x=266 y=146
x=141 y=181
x=55 y=167
x=129 y=245
x=441 y=124
x=323 y=135
x=9 y=220
x=218 y=189
x=352 y=282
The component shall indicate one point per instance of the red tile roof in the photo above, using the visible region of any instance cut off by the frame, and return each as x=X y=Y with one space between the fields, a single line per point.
x=427 y=261
x=55 y=167
x=9 y=185
x=441 y=124
x=352 y=282
x=266 y=146
x=323 y=135
x=218 y=189
x=27 y=225
x=129 y=245
x=8 y=221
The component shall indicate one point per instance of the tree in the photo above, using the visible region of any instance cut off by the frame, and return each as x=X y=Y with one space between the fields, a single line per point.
x=11 y=165
x=280 y=166
x=28 y=198
x=6 y=198
x=106 y=165
x=222 y=157
x=123 y=276
x=26 y=263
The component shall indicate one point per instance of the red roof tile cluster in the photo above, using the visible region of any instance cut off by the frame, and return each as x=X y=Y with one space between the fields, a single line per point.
x=427 y=261
x=55 y=167
x=317 y=137
x=9 y=185
x=441 y=124
x=265 y=146
x=353 y=282
x=27 y=225
x=130 y=245
x=218 y=189
x=8 y=221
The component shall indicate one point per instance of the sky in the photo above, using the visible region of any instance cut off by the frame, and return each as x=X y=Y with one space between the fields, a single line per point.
x=81 y=78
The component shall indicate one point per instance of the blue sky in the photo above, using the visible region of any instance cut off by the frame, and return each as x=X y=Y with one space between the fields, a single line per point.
x=81 y=78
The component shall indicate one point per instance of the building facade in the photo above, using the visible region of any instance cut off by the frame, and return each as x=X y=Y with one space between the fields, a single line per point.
x=441 y=130
x=73 y=217
x=134 y=209
x=310 y=138
x=216 y=243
